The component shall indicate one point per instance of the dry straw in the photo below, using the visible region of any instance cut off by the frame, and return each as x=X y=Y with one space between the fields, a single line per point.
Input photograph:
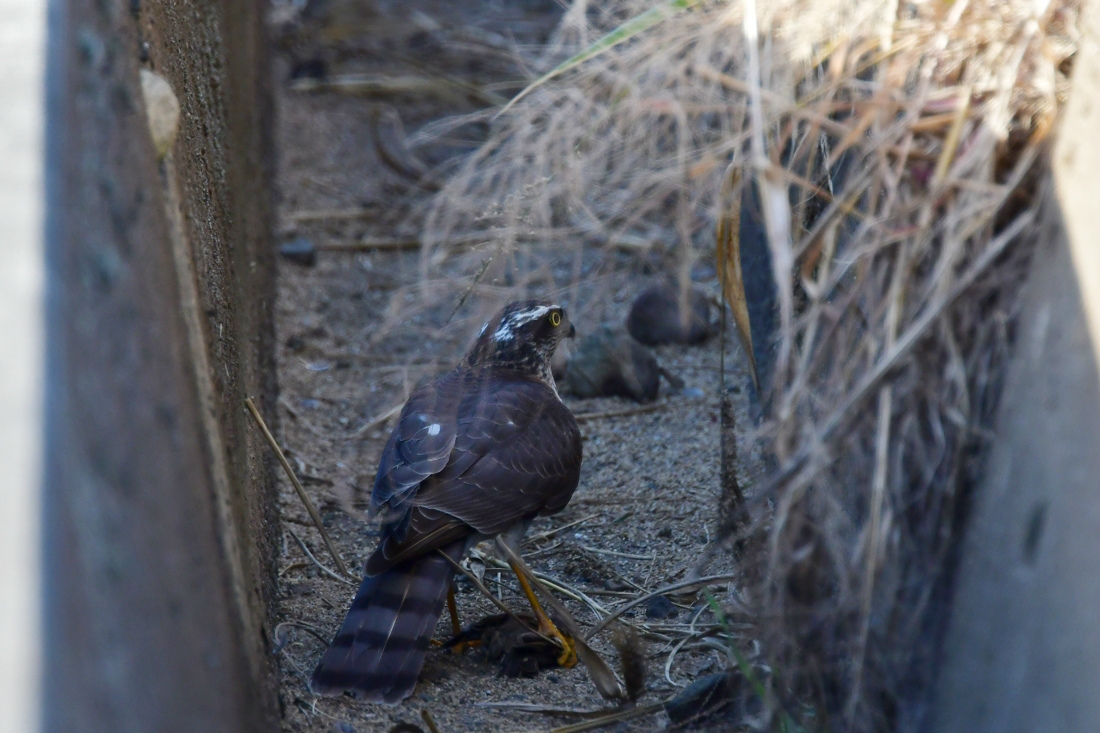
x=897 y=149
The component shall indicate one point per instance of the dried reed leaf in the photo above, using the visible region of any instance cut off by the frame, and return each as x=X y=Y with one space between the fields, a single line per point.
x=728 y=256
x=624 y=32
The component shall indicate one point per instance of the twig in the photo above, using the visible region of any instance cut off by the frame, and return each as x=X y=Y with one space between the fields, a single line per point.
x=612 y=718
x=556 y=584
x=371 y=244
x=679 y=645
x=298 y=416
x=317 y=562
x=527 y=707
x=429 y=721
x=292 y=567
x=387 y=86
x=313 y=631
x=628 y=556
x=660 y=592
x=583 y=416
x=376 y=421
x=551 y=532
x=308 y=215
x=297 y=487
x=473 y=284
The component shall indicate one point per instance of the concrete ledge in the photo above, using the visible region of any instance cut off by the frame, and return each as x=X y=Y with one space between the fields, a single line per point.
x=1022 y=650
x=159 y=515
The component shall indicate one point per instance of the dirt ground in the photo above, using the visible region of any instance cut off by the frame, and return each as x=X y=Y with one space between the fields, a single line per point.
x=355 y=335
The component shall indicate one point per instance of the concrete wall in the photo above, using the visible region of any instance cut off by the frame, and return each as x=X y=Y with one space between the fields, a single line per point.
x=159 y=515
x=23 y=38
x=1022 y=650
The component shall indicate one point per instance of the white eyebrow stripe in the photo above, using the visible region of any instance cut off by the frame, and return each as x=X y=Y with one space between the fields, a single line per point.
x=505 y=330
x=529 y=315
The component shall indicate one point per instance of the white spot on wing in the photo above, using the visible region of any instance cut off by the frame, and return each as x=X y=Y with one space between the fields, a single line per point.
x=433 y=429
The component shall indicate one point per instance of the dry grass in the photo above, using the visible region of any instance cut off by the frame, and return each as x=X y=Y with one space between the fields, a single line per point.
x=897 y=148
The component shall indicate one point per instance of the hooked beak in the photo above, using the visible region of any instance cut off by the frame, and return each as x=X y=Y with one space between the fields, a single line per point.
x=572 y=331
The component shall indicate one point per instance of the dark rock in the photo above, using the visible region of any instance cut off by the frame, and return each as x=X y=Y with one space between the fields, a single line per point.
x=311 y=68
x=665 y=533
x=609 y=362
x=660 y=607
x=656 y=317
x=722 y=694
x=300 y=251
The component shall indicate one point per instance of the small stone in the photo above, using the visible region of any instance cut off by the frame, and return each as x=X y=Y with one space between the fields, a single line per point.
x=660 y=607
x=162 y=111
x=608 y=363
x=694 y=392
x=300 y=251
x=708 y=697
x=656 y=317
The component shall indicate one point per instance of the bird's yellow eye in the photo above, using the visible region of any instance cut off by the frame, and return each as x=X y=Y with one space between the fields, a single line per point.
x=555 y=319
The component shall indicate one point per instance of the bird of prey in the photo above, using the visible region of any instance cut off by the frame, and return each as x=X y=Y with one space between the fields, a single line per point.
x=477 y=453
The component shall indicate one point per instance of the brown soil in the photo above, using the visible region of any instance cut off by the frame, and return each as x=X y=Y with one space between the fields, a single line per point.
x=354 y=334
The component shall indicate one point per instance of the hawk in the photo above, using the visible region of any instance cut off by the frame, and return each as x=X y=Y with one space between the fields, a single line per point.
x=477 y=453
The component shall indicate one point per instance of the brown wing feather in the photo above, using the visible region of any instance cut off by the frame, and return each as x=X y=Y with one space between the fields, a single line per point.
x=421 y=444
x=516 y=454
x=531 y=466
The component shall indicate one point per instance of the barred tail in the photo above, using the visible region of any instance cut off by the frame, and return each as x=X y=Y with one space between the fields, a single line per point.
x=379 y=650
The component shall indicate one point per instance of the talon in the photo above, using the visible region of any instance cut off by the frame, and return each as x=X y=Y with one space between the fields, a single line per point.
x=464 y=645
x=568 y=657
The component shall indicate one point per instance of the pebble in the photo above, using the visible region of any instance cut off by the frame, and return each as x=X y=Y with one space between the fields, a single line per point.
x=707 y=697
x=300 y=251
x=660 y=607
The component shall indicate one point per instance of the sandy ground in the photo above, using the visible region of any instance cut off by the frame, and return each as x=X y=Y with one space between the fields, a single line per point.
x=354 y=337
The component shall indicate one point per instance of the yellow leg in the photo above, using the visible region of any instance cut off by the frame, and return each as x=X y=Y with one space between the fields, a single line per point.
x=568 y=656
x=456 y=627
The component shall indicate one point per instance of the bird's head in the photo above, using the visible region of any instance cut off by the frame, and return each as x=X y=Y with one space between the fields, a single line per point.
x=523 y=336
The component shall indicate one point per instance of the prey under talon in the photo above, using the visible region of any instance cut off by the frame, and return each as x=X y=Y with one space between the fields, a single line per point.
x=513 y=643
x=568 y=656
